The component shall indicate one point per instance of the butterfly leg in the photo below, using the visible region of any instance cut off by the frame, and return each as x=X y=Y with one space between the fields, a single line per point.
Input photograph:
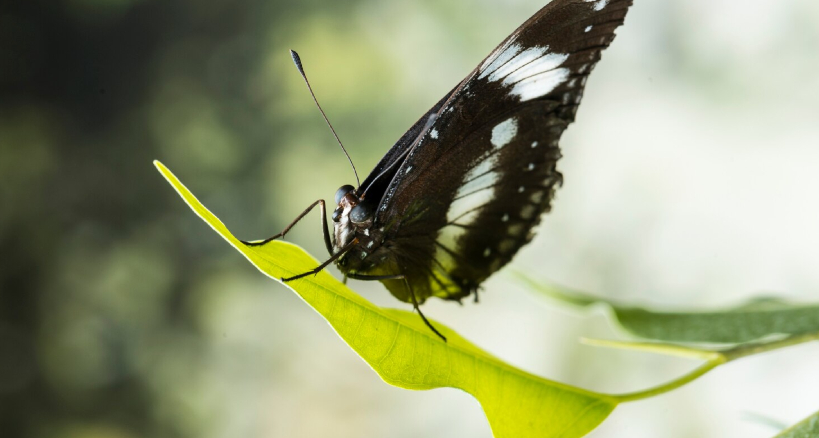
x=415 y=304
x=412 y=295
x=325 y=229
x=326 y=263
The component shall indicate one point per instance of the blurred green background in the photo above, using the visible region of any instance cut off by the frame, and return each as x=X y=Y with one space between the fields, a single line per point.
x=691 y=180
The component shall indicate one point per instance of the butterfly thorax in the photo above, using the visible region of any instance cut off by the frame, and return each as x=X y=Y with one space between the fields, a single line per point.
x=354 y=226
x=344 y=231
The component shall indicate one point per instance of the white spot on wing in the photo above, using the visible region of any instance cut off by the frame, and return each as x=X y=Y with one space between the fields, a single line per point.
x=477 y=189
x=588 y=28
x=516 y=230
x=534 y=144
x=540 y=85
x=504 y=132
x=468 y=218
x=444 y=258
x=542 y=64
x=433 y=133
x=461 y=208
x=527 y=60
x=598 y=4
x=499 y=58
x=506 y=245
x=480 y=176
x=532 y=72
x=449 y=235
x=527 y=212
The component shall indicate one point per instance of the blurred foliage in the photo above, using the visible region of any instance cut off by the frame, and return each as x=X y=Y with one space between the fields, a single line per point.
x=807 y=428
x=751 y=321
x=98 y=333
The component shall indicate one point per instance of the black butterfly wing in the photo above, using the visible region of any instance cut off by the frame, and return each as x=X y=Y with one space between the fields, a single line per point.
x=468 y=193
x=379 y=179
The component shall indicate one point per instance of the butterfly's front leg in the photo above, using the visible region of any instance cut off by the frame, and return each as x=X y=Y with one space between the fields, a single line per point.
x=325 y=229
x=326 y=263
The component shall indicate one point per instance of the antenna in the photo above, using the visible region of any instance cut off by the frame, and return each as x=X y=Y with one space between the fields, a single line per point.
x=297 y=61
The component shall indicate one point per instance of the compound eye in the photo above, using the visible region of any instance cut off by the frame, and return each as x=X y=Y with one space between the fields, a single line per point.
x=336 y=215
x=342 y=191
x=361 y=213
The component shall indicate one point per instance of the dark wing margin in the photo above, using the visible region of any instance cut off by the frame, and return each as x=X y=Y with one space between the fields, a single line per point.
x=468 y=194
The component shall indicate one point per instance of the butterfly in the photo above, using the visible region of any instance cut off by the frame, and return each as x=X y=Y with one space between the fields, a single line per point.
x=461 y=191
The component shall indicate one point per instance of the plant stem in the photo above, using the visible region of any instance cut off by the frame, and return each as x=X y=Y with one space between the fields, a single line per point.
x=720 y=358
x=674 y=384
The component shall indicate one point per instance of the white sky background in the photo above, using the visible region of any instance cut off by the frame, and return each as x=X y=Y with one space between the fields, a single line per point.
x=691 y=181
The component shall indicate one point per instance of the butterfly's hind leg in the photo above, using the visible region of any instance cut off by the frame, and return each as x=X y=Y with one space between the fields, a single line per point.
x=411 y=293
x=324 y=226
x=415 y=304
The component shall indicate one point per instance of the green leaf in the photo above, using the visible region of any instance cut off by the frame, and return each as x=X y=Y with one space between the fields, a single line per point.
x=405 y=353
x=751 y=321
x=807 y=428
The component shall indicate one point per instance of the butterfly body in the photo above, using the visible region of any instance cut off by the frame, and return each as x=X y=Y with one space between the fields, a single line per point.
x=461 y=191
